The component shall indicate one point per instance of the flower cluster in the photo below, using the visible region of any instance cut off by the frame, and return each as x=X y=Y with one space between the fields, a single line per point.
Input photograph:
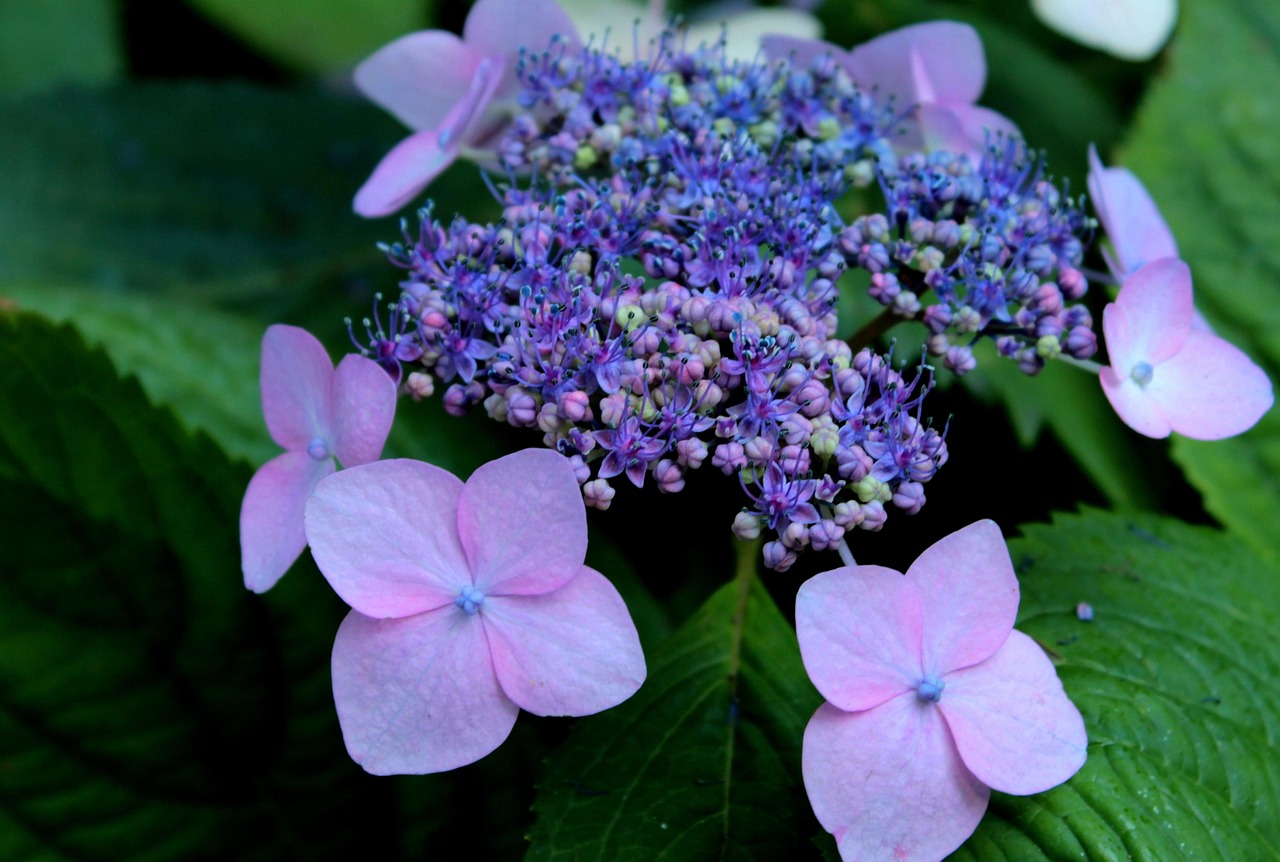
x=661 y=293
x=999 y=246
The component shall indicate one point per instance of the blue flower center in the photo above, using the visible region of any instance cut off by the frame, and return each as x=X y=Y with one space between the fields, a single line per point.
x=930 y=689
x=1142 y=373
x=469 y=599
x=318 y=448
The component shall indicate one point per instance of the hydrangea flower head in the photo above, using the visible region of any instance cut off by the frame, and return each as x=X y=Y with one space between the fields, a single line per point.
x=932 y=699
x=469 y=603
x=1166 y=374
x=317 y=414
x=938 y=67
x=456 y=94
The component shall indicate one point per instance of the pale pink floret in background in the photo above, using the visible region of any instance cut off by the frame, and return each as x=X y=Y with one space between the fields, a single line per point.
x=456 y=94
x=939 y=67
x=469 y=603
x=1168 y=375
x=897 y=770
x=317 y=414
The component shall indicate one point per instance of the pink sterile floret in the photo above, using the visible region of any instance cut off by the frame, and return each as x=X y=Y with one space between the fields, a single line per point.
x=938 y=67
x=1130 y=218
x=456 y=94
x=316 y=414
x=1165 y=374
x=932 y=700
x=469 y=603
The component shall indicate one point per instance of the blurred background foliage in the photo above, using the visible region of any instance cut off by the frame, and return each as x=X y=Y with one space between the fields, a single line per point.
x=176 y=176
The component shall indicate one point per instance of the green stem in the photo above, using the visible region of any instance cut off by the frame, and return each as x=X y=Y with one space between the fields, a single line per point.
x=877 y=327
x=747 y=557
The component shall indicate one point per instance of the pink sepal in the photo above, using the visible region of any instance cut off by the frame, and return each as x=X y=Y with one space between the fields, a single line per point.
x=271 y=533
x=364 y=407
x=888 y=783
x=1132 y=222
x=523 y=524
x=1012 y=722
x=418 y=78
x=294 y=379
x=939 y=62
x=385 y=536
x=968 y=597
x=419 y=694
x=403 y=173
x=859 y=633
x=572 y=651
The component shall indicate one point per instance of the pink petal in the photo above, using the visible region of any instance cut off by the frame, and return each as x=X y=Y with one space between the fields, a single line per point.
x=418 y=695
x=1131 y=403
x=295 y=380
x=859 y=631
x=1157 y=306
x=888 y=783
x=502 y=27
x=271 y=532
x=403 y=173
x=476 y=118
x=572 y=651
x=385 y=537
x=1012 y=722
x=939 y=61
x=968 y=597
x=523 y=523
x=364 y=404
x=419 y=77
x=1129 y=216
x=801 y=52
x=1210 y=389
x=983 y=127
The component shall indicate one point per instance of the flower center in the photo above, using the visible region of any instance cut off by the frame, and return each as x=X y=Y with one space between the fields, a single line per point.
x=930 y=689
x=318 y=448
x=469 y=599
x=1142 y=373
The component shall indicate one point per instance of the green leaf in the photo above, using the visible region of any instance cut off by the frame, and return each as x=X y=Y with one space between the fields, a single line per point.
x=45 y=45
x=150 y=707
x=703 y=762
x=201 y=362
x=1206 y=144
x=317 y=37
x=1174 y=677
x=226 y=194
x=1070 y=404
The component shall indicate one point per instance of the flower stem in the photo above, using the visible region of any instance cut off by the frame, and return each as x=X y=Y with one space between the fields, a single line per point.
x=877 y=327
x=1087 y=364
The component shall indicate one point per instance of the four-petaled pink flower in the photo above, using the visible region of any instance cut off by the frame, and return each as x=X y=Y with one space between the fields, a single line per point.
x=456 y=94
x=469 y=603
x=316 y=414
x=1168 y=375
x=932 y=700
x=938 y=67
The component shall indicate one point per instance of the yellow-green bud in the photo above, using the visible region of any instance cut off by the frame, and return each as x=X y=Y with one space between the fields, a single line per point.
x=585 y=157
x=871 y=488
x=629 y=317
x=1048 y=347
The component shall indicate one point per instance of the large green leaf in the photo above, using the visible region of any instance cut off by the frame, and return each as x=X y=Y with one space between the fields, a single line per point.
x=45 y=44
x=703 y=762
x=212 y=193
x=1207 y=145
x=150 y=707
x=317 y=37
x=1174 y=677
